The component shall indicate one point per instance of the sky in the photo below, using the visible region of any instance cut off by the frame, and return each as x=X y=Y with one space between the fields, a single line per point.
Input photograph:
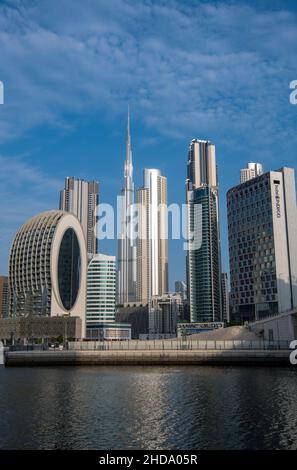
x=217 y=71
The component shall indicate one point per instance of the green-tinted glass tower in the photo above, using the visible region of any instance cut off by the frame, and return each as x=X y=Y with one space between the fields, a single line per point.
x=203 y=257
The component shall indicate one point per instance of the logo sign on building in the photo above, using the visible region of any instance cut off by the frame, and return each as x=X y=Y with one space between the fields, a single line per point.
x=277 y=198
x=192 y=328
x=1 y=93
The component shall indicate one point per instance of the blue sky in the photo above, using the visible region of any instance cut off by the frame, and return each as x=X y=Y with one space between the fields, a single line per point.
x=189 y=69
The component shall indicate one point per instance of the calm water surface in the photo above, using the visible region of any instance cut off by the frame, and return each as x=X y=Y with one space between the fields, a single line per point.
x=148 y=408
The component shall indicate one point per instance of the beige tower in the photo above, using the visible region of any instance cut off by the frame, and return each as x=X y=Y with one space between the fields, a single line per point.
x=152 y=244
x=81 y=198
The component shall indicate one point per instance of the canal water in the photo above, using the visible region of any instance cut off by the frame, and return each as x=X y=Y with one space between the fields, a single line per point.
x=148 y=408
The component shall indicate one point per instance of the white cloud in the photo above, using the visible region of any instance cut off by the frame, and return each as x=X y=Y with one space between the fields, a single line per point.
x=24 y=192
x=184 y=67
x=189 y=69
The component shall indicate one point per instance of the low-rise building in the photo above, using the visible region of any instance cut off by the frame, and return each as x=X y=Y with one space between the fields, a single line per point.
x=35 y=328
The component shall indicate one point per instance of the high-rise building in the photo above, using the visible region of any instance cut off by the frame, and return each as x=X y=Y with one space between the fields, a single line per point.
x=101 y=290
x=225 y=298
x=204 y=259
x=81 y=198
x=4 y=294
x=262 y=226
x=48 y=267
x=101 y=301
x=181 y=288
x=126 y=281
x=252 y=170
x=152 y=243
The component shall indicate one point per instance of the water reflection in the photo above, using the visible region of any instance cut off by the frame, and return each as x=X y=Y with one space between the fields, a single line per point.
x=148 y=408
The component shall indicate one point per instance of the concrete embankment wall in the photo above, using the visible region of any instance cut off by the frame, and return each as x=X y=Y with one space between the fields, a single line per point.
x=198 y=357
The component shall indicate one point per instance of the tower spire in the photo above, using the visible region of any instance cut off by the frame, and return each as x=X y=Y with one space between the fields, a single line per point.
x=128 y=162
x=128 y=124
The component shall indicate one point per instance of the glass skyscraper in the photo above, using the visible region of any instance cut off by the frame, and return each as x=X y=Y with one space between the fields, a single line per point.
x=203 y=262
x=262 y=227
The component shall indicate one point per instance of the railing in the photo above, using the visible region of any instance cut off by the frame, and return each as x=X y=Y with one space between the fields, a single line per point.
x=28 y=347
x=175 y=345
x=160 y=345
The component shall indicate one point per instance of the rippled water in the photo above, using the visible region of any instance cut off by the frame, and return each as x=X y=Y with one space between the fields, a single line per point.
x=148 y=408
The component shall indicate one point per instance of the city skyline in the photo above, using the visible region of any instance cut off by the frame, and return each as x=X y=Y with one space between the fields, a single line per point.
x=148 y=260
x=114 y=251
x=82 y=132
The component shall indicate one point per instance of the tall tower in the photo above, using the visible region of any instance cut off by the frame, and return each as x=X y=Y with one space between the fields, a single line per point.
x=203 y=260
x=126 y=282
x=152 y=243
x=81 y=198
x=101 y=287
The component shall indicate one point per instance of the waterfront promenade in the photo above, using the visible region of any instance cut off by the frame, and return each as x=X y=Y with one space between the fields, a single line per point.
x=167 y=352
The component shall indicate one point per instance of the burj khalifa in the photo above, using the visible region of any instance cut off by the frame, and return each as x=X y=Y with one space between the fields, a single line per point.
x=126 y=281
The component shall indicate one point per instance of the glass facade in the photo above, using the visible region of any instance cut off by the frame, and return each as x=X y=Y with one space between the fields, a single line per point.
x=252 y=250
x=101 y=290
x=69 y=263
x=204 y=263
x=29 y=266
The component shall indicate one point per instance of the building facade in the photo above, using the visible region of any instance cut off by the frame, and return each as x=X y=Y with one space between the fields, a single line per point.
x=81 y=198
x=152 y=242
x=101 y=290
x=252 y=170
x=181 y=288
x=109 y=332
x=225 y=298
x=203 y=256
x=4 y=297
x=34 y=329
x=164 y=313
x=126 y=275
x=48 y=267
x=262 y=227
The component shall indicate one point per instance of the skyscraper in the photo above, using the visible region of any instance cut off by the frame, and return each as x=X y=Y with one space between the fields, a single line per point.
x=262 y=227
x=204 y=262
x=101 y=287
x=252 y=170
x=126 y=282
x=152 y=243
x=225 y=298
x=81 y=198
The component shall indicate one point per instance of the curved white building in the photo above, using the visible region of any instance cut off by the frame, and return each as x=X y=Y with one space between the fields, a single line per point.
x=48 y=267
